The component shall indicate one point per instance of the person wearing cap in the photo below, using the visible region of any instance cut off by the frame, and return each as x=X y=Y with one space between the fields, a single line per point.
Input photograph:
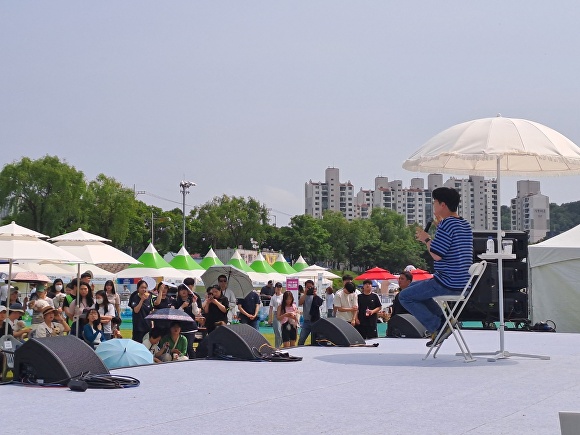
x=14 y=295
x=19 y=328
x=3 y=322
x=346 y=303
x=275 y=302
x=37 y=302
x=215 y=308
x=53 y=324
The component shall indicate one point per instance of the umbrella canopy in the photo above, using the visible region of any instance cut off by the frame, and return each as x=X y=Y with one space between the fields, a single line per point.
x=165 y=316
x=165 y=273
x=239 y=262
x=312 y=272
x=238 y=280
x=420 y=274
x=282 y=266
x=210 y=259
x=79 y=236
x=260 y=265
x=498 y=146
x=30 y=277
x=183 y=261
x=122 y=352
x=300 y=264
x=376 y=273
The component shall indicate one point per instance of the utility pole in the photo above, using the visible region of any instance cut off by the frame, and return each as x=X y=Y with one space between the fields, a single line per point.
x=185 y=185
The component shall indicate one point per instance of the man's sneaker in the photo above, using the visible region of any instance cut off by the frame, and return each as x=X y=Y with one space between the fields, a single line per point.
x=441 y=339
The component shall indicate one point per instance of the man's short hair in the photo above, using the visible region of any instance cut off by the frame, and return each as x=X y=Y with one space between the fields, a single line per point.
x=407 y=275
x=87 y=274
x=347 y=278
x=367 y=281
x=448 y=196
x=349 y=287
x=309 y=281
x=155 y=332
x=222 y=276
x=270 y=282
x=189 y=281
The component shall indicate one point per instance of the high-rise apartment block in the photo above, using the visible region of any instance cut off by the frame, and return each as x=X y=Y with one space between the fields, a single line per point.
x=530 y=210
x=478 y=205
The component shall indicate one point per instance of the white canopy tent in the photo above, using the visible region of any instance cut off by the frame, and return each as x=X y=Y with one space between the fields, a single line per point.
x=554 y=277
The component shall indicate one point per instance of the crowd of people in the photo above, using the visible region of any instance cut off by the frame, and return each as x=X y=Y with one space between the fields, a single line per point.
x=95 y=317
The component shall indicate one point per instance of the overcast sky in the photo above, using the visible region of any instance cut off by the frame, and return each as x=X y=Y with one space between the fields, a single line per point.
x=255 y=98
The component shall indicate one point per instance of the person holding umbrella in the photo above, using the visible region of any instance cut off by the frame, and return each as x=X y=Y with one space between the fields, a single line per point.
x=186 y=300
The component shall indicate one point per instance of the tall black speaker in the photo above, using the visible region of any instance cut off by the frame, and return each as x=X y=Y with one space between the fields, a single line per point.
x=56 y=359
x=405 y=326
x=239 y=341
x=335 y=332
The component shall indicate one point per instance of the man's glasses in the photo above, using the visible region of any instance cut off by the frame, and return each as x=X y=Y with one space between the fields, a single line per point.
x=222 y=280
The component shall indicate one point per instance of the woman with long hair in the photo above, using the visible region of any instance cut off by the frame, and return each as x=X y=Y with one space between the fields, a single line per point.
x=162 y=300
x=106 y=312
x=140 y=303
x=113 y=296
x=288 y=317
x=93 y=330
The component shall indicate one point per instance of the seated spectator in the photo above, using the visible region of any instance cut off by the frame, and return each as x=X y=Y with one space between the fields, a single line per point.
x=93 y=331
x=19 y=329
x=53 y=324
x=3 y=322
x=37 y=302
x=151 y=342
x=116 y=327
x=177 y=344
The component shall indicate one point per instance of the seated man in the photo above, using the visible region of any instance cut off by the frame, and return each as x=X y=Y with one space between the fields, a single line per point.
x=452 y=250
x=151 y=342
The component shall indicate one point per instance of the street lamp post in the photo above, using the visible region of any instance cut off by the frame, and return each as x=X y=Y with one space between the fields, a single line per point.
x=185 y=185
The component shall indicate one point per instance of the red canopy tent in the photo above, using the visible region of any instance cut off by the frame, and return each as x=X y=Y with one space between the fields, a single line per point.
x=420 y=274
x=376 y=273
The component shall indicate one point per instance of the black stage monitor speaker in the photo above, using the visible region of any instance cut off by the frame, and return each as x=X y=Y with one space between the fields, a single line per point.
x=239 y=342
x=335 y=332
x=56 y=360
x=405 y=326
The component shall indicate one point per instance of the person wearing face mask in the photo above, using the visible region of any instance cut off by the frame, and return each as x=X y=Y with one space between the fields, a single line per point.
x=55 y=288
x=106 y=312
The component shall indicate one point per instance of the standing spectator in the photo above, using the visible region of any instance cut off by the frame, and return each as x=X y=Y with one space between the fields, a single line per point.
x=106 y=312
x=267 y=292
x=369 y=306
x=162 y=299
x=4 y=290
x=249 y=308
x=305 y=302
x=93 y=331
x=346 y=304
x=113 y=296
x=55 y=288
x=233 y=301
x=190 y=283
x=275 y=302
x=140 y=303
x=3 y=323
x=186 y=300
x=288 y=317
x=215 y=308
x=39 y=300
x=84 y=301
x=329 y=302
x=71 y=294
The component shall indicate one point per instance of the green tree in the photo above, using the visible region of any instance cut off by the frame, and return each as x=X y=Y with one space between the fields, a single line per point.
x=338 y=229
x=305 y=236
x=232 y=221
x=44 y=195
x=109 y=209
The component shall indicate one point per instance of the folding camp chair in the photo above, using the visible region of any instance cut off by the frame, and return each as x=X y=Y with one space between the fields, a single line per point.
x=452 y=306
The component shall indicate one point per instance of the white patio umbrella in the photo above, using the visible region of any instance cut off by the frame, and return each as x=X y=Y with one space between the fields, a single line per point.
x=312 y=272
x=494 y=147
x=92 y=248
x=18 y=243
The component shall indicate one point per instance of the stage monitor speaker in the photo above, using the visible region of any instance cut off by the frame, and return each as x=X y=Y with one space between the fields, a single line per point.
x=238 y=342
x=55 y=360
x=405 y=326
x=335 y=332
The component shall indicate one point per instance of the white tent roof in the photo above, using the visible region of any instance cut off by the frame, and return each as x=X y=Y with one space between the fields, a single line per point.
x=563 y=247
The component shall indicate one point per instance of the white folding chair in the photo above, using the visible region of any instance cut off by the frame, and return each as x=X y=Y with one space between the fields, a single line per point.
x=452 y=306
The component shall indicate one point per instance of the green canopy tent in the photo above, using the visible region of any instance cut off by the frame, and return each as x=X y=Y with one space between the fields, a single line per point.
x=185 y=263
x=261 y=265
x=210 y=259
x=282 y=266
x=300 y=264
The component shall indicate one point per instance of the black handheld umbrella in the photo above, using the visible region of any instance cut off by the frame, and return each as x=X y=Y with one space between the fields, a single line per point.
x=165 y=316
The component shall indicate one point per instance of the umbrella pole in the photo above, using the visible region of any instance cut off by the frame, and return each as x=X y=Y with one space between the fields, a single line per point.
x=501 y=353
x=77 y=299
x=8 y=296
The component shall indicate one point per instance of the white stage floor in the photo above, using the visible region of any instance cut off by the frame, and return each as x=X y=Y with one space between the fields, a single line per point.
x=388 y=390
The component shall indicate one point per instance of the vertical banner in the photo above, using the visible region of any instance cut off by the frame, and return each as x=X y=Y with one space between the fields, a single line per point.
x=292 y=286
